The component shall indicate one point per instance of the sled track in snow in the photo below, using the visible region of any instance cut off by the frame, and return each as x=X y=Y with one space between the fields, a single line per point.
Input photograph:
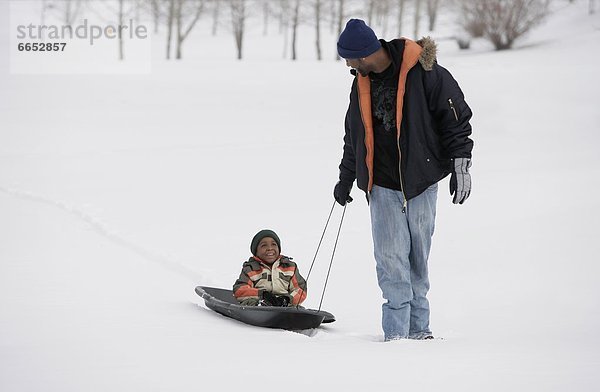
x=104 y=230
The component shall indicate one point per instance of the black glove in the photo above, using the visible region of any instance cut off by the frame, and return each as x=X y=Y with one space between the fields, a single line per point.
x=341 y=192
x=283 y=300
x=270 y=299
x=460 y=182
x=267 y=298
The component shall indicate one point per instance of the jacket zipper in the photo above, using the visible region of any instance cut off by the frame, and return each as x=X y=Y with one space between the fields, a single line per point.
x=453 y=108
x=400 y=172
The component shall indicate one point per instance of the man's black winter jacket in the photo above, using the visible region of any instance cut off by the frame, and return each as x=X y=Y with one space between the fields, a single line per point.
x=432 y=118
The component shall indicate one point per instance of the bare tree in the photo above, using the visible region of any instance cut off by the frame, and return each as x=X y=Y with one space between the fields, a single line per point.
x=401 y=4
x=295 y=23
x=503 y=21
x=170 y=22
x=432 y=12
x=123 y=9
x=43 y=14
x=340 y=21
x=370 y=11
x=238 y=20
x=150 y=8
x=71 y=9
x=67 y=10
x=156 y=11
x=332 y=18
x=282 y=14
x=121 y=17
x=137 y=7
x=216 y=11
x=592 y=7
x=383 y=12
x=340 y=16
x=266 y=13
x=284 y=23
x=183 y=8
x=318 y=29
x=182 y=16
x=417 y=18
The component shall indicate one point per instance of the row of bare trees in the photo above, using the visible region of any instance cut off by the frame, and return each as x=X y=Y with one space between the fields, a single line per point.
x=500 y=21
x=180 y=17
x=291 y=14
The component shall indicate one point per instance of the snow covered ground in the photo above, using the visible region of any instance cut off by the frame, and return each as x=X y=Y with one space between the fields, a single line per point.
x=120 y=193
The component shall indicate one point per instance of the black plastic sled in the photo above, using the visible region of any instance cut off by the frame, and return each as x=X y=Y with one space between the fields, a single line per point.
x=291 y=318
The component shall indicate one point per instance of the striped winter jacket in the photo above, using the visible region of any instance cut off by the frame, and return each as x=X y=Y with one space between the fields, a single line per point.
x=282 y=277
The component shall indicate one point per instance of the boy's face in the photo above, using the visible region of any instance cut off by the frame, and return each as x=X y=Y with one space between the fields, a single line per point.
x=267 y=250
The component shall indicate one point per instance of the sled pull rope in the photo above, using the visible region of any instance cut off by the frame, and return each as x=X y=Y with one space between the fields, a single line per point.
x=332 y=255
x=320 y=241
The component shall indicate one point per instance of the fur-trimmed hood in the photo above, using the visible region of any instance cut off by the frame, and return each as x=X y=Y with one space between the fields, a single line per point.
x=401 y=49
x=429 y=54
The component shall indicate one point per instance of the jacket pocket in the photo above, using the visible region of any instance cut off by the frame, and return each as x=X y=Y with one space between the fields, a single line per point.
x=458 y=107
x=453 y=108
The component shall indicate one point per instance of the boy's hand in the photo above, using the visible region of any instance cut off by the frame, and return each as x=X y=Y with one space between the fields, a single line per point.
x=267 y=299
x=283 y=300
x=270 y=299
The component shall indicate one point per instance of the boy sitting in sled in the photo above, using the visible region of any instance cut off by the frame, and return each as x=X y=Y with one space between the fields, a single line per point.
x=269 y=278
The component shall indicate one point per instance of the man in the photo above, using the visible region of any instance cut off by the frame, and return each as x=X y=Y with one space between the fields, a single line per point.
x=407 y=127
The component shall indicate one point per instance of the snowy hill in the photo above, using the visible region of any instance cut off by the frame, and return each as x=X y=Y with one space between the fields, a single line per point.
x=120 y=193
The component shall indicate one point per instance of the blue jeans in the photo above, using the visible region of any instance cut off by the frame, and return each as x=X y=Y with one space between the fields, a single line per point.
x=402 y=242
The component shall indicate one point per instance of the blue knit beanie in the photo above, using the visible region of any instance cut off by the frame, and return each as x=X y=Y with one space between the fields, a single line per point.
x=357 y=40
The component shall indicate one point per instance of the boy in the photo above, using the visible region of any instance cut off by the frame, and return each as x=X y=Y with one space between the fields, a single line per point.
x=269 y=278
